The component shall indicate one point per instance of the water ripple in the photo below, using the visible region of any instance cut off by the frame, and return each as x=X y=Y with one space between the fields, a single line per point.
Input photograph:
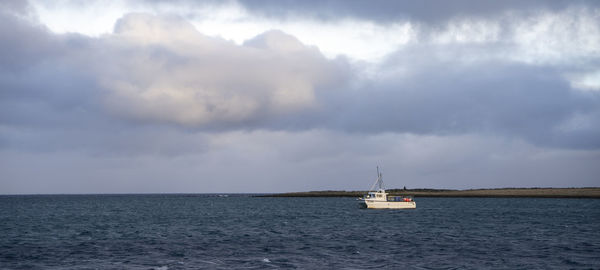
x=242 y=232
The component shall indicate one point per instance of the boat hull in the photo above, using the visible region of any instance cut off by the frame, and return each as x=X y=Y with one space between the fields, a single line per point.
x=388 y=205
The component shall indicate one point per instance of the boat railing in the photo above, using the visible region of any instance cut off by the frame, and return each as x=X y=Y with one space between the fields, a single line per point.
x=400 y=199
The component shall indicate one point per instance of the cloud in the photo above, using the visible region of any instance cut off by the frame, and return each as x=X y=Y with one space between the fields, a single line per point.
x=444 y=97
x=460 y=97
x=190 y=79
x=15 y=7
x=547 y=30
x=158 y=72
x=430 y=12
x=277 y=161
x=67 y=91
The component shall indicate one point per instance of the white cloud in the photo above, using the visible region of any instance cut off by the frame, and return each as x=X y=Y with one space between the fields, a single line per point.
x=92 y=18
x=358 y=39
x=586 y=81
x=467 y=30
x=546 y=37
x=163 y=69
x=570 y=37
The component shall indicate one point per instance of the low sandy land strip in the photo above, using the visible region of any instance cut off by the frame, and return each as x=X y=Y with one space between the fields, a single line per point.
x=591 y=192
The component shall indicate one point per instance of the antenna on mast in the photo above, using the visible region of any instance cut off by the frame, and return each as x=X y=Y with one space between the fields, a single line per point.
x=379 y=178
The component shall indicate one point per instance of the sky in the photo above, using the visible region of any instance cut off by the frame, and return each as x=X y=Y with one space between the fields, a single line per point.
x=153 y=96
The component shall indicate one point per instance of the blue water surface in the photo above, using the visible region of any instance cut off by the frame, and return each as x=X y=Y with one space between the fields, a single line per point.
x=244 y=232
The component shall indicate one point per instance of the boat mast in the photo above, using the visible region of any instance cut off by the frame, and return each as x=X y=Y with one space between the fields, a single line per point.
x=379 y=179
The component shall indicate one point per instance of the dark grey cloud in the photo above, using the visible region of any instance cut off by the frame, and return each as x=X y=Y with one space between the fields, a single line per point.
x=151 y=108
x=40 y=85
x=428 y=11
x=15 y=7
x=265 y=161
x=491 y=97
x=66 y=91
x=448 y=90
x=52 y=101
x=157 y=106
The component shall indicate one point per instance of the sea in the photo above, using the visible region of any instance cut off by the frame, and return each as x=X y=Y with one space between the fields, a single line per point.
x=240 y=231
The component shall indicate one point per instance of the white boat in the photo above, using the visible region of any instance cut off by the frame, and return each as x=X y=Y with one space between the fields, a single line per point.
x=379 y=199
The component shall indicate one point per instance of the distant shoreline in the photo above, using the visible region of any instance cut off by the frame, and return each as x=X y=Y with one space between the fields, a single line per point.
x=588 y=192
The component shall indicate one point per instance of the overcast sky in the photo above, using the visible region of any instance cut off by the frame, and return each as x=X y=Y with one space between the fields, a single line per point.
x=275 y=96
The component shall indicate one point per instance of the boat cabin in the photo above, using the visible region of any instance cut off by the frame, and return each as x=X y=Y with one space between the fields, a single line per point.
x=381 y=195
